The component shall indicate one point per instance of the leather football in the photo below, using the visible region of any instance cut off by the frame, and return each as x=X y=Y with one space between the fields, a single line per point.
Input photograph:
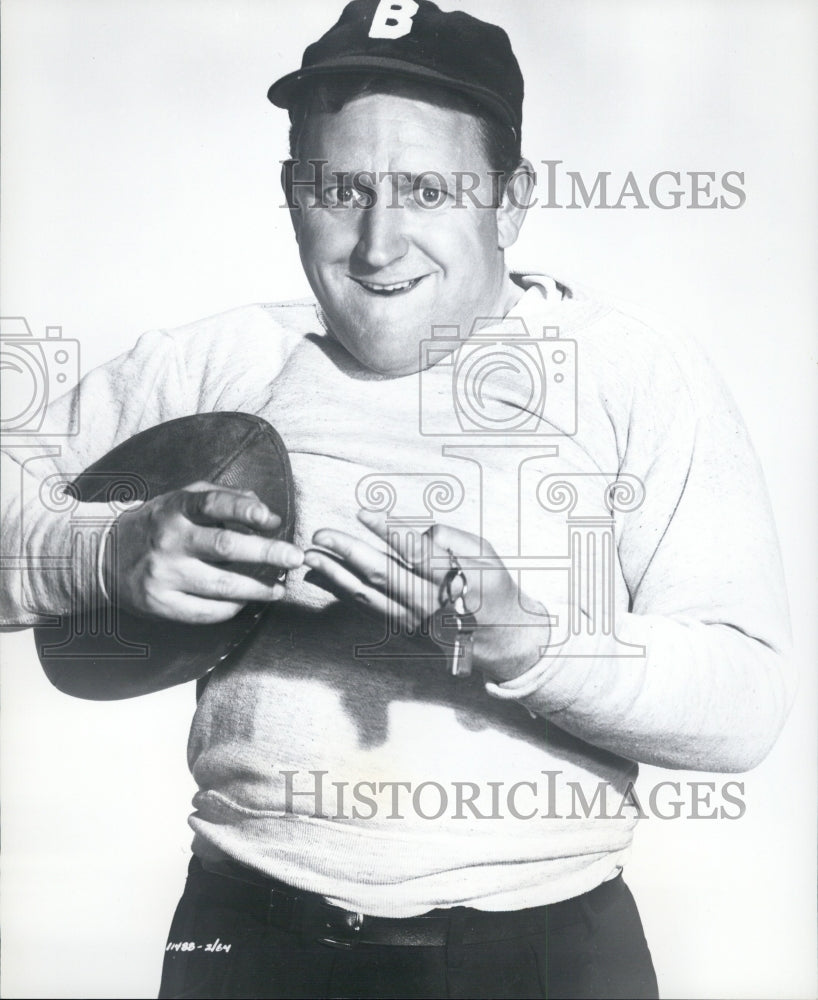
x=105 y=653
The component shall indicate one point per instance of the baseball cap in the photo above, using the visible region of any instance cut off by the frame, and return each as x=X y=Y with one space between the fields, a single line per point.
x=415 y=39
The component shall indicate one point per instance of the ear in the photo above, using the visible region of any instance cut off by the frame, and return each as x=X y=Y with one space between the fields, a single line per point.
x=516 y=202
x=287 y=174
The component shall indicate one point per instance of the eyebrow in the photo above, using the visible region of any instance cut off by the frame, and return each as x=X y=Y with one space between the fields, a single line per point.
x=407 y=177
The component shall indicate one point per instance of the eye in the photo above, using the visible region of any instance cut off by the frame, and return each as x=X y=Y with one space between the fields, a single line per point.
x=342 y=196
x=429 y=196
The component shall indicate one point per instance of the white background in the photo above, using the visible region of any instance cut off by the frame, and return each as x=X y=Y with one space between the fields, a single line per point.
x=140 y=189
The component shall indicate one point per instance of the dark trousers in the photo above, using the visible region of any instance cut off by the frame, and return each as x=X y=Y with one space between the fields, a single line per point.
x=221 y=945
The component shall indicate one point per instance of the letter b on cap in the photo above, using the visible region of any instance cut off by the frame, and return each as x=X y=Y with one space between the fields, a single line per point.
x=393 y=19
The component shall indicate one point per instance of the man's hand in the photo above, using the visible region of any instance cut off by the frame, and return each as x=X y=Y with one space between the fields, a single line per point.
x=186 y=555
x=406 y=583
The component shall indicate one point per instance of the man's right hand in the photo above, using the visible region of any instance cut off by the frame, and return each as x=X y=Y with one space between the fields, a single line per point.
x=186 y=555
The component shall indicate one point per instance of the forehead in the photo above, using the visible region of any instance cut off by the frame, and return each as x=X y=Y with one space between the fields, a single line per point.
x=390 y=132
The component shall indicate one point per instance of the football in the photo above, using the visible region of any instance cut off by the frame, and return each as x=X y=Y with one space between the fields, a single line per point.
x=102 y=652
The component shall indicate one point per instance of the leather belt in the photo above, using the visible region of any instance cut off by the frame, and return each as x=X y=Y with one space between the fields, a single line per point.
x=279 y=905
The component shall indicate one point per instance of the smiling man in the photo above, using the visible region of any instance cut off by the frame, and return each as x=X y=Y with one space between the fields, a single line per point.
x=417 y=252
x=415 y=779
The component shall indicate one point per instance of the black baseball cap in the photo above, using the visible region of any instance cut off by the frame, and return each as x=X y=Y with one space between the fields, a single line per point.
x=415 y=39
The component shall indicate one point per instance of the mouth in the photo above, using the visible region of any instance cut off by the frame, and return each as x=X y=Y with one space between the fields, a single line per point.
x=392 y=288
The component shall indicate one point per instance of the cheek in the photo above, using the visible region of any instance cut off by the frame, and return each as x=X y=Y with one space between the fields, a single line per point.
x=485 y=235
x=466 y=245
x=323 y=242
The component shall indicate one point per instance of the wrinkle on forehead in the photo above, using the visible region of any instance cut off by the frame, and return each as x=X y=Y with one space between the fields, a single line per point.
x=380 y=132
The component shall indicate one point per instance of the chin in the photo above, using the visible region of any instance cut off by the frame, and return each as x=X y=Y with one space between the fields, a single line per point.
x=373 y=357
x=390 y=367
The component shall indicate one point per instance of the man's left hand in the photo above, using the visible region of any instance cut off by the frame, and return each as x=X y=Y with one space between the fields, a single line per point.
x=407 y=584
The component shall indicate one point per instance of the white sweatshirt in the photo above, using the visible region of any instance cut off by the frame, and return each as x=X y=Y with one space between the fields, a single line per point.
x=359 y=769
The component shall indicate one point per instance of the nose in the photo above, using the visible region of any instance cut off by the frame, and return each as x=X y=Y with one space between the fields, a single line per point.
x=382 y=237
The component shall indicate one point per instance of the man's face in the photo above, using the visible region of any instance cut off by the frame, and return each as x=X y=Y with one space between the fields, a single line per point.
x=414 y=258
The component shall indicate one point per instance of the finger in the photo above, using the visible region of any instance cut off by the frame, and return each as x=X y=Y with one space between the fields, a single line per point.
x=202 y=484
x=378 y=525
x=221 y=545
x=428 y=553
x=223 y=584
x=379 y=570
x=364 y=559
x=391 y=588
x=209 y=504
x=195 y=610
x=453 y=563
x=340 y=580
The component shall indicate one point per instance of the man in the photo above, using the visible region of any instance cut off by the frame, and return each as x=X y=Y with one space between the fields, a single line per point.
x=322 y=873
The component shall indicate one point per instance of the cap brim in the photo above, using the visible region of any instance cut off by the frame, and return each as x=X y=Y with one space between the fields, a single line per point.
x=283 y=91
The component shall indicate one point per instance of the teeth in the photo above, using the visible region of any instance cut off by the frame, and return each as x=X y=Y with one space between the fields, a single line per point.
x=398 y=287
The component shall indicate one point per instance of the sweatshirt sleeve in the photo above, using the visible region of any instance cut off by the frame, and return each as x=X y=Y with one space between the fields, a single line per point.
x=42 y=566
x=707 y=601
x=197 y=368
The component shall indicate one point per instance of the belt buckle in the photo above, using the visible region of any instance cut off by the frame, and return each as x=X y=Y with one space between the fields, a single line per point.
x=352 y=923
